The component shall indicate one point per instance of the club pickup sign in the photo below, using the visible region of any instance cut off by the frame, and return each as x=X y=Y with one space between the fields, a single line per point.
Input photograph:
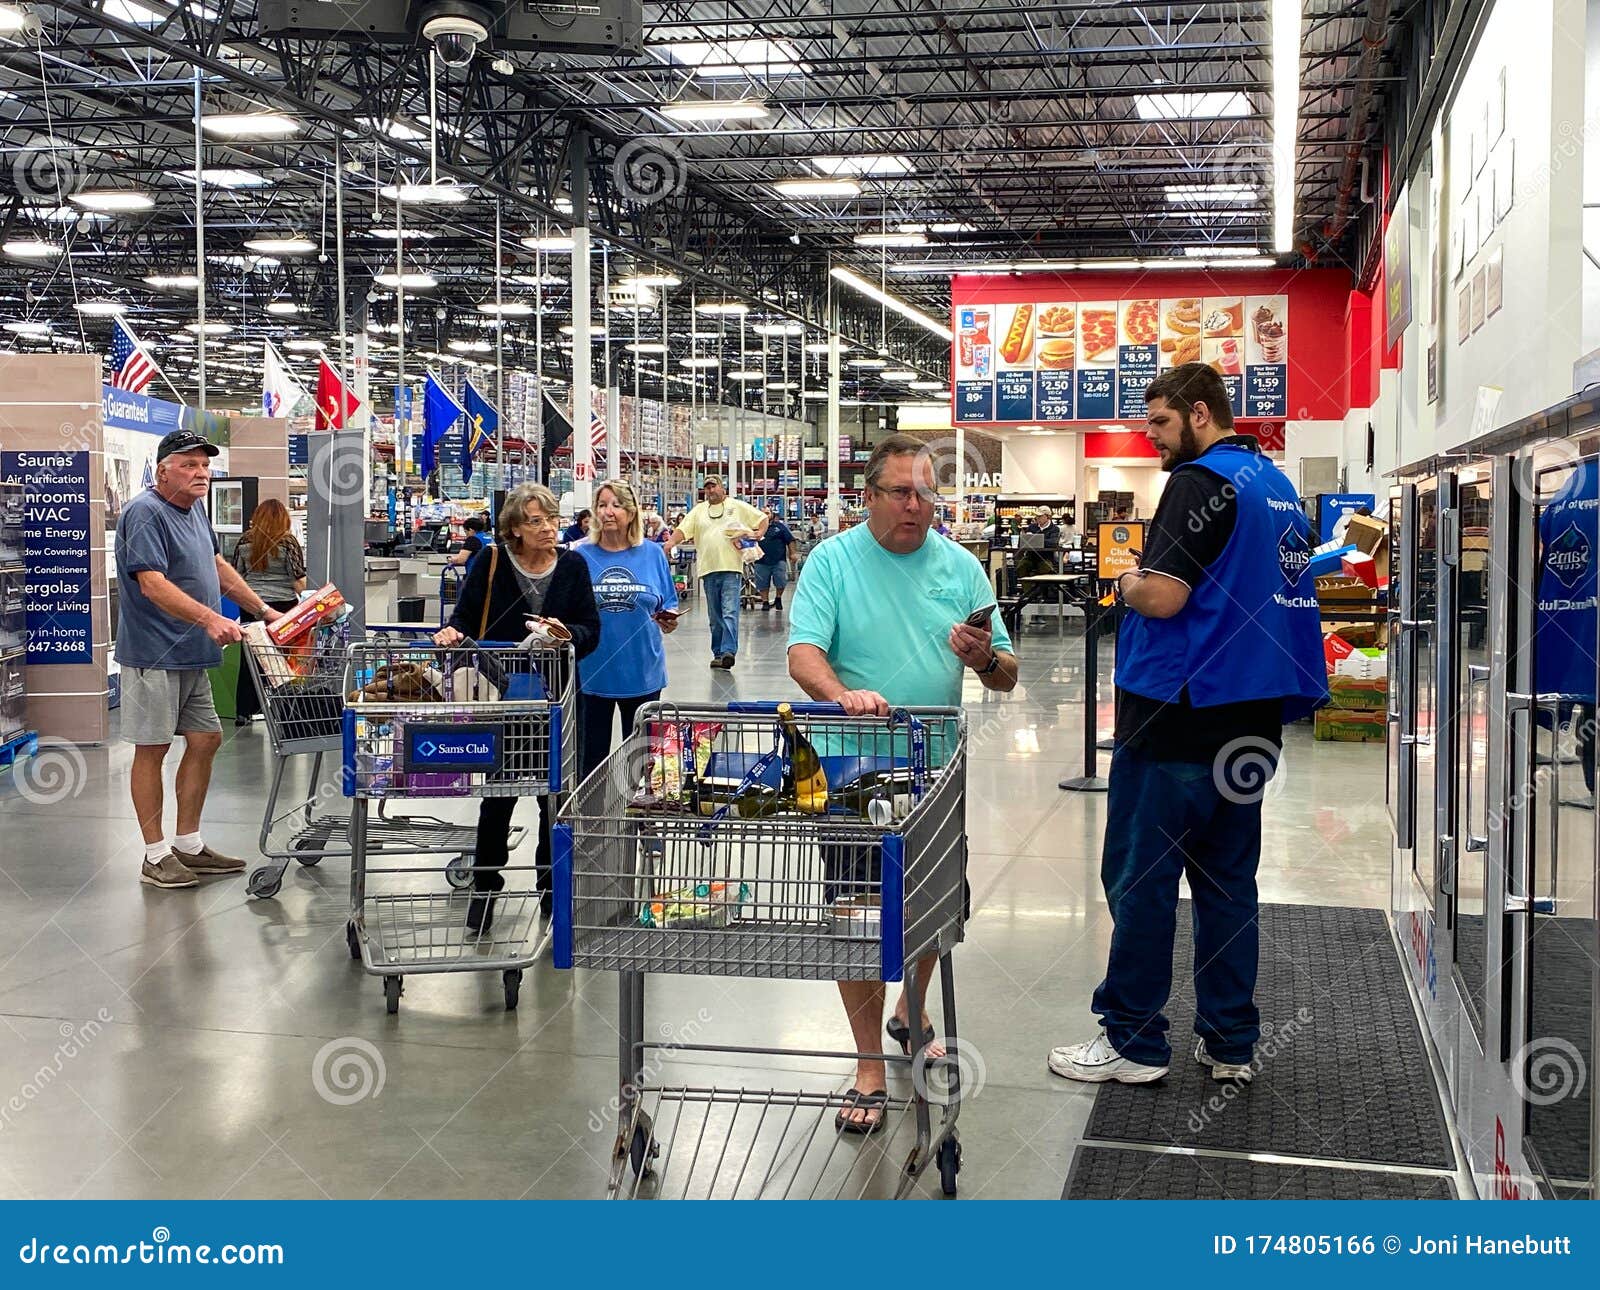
x=460 y=748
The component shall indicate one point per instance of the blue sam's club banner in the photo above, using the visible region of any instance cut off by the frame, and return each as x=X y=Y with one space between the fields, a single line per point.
x=1333 y=509
x=55 y=535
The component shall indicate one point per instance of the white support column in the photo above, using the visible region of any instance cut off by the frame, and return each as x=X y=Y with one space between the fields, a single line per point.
x=961 y=473
x=582 y=450
x=832 y=433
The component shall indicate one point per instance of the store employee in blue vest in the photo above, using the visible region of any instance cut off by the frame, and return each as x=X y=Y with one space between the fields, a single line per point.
x=1219 y=647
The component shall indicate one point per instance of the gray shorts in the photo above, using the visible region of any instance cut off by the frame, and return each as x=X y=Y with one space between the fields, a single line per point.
x=157 y=704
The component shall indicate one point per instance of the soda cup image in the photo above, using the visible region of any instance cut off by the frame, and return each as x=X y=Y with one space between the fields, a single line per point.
x=982 y=360
x=980 y=325
x=966 y=348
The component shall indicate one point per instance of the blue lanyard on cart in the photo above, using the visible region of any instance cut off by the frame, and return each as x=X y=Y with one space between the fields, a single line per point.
x=918 y=734
x=752 y=777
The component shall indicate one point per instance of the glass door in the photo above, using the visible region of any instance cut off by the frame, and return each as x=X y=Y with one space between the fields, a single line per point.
x=1420 y=621
x=1551 y=892
x=1470 y=811
x=1400 y=770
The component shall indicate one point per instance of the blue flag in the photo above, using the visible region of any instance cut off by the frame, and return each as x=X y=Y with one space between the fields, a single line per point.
x=440 y=411
x=483 y=423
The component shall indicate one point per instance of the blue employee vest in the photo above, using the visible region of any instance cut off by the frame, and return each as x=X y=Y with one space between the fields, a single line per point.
x=1564 y=647
x=1250 y=630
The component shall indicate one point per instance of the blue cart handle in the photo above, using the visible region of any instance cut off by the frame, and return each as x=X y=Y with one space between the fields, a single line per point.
x=751 y=707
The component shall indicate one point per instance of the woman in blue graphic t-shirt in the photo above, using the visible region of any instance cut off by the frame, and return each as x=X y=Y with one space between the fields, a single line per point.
x=638 y=603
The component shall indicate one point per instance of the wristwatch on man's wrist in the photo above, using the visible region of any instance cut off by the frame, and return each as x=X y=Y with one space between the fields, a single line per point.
x=994 y=662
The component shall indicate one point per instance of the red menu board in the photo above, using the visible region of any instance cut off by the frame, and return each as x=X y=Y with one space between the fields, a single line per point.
x=1071 y=349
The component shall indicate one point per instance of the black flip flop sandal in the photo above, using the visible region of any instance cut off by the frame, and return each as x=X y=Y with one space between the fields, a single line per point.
x=867 y=1102
x=900 y=1032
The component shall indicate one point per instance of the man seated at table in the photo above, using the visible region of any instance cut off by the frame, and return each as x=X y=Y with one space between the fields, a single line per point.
x=1040 y=536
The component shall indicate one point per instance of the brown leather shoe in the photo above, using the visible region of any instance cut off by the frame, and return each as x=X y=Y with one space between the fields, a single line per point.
x=207 y=861
x=171 y=873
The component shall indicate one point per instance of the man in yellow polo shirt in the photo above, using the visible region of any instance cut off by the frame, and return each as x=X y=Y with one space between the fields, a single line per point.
x=716 y=527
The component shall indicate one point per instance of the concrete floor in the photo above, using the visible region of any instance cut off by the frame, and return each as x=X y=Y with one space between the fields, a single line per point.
x=204 y=1044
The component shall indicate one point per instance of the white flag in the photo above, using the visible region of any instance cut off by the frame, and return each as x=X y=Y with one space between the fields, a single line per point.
x=281 y=394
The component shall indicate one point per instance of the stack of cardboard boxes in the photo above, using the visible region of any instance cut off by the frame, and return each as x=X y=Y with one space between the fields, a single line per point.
x=1355 y=646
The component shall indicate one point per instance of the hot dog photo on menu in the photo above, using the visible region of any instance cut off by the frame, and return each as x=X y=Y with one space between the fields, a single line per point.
x=1018 y=330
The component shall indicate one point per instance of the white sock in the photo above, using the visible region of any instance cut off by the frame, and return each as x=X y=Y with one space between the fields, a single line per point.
x=155 y=852
x=188 y=843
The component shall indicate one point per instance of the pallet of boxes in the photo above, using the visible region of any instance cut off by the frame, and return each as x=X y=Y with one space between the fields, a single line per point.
x=1355 y=637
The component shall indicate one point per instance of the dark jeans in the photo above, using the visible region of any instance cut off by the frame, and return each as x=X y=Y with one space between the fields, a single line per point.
x=494 y=829
x=1164 y=819
x=594 y=734
x=246 y=698
x=722 y=610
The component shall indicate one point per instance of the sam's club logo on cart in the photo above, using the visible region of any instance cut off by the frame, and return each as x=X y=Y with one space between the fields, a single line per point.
x=1294 y=555
x=1567 y=558
x=452 y=747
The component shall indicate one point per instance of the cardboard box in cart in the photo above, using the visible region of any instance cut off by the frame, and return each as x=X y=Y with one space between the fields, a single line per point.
x=1350 y=725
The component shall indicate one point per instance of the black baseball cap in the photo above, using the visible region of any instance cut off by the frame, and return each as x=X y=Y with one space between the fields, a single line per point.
x=185 y=441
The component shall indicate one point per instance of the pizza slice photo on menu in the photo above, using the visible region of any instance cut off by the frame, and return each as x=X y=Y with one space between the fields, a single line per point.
x=1097 y=334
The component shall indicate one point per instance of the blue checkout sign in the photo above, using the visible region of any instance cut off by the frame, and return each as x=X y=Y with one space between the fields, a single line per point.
x=55 y=536
x=1097 y=393
x=438 y=746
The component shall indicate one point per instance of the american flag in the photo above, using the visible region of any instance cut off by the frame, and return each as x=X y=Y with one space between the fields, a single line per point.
x=131 y=368
x=597 y=435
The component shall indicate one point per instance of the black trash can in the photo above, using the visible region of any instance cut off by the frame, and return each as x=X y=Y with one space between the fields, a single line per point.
x=408 y=609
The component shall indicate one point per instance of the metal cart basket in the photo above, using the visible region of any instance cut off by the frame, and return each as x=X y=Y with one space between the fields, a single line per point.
x=686 y=853
x=463 y=721
x=302 y=691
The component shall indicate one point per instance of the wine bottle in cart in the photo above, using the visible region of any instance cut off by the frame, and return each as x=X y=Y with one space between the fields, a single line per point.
x=804 y=781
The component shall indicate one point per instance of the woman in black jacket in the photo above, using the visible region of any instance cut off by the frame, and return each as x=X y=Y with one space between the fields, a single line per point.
x=528 y=578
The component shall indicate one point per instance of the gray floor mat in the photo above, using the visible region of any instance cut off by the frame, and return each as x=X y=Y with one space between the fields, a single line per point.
x=1107 y=1173
x=1342 y=1074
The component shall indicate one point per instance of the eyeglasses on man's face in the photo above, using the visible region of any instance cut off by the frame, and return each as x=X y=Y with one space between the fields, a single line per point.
x=905 y=496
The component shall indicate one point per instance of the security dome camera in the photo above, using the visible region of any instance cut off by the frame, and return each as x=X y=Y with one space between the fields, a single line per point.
x=455 y=37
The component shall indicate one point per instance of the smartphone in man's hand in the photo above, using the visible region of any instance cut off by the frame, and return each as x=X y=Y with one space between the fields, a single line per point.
x=980 y=618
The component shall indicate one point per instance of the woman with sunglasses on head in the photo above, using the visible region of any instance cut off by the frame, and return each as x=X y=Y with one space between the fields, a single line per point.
x=638 y=604
x=522 y=577
x=273 y=564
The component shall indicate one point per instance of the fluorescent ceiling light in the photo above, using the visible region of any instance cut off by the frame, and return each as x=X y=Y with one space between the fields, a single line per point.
x=11 y=19
x=1285 y=118
x=444 y=193
x=397 y=129
x=245 y=262
x=210 y=328
x=29 y=328
x=31 y=248
x=173 y=281
x=507 y=308
x=560 y=244
x=780 y=385
x=646 y=347
x=101 y=308
x=1244 y=262
x=65 y=214
x=411 y=281
x=1203 y=105
x=1211 y=252
x=283 y=308
x=390 y=231
x=1191 y=194
x=947 y=227
x=705 y=335
x=646 y=280
x=222 y=177
x=891 y=239
x=595 y=329
x=822 y=347
x=534 y=280
x=736 y=57
x=470 y=346
x=305 y=345
x=879 y=165
x=869 y=362
x=702 y=361
x=292 y=245
x=747 y=374
x=250 y=125
x=779 y=329
x=927 y=385
x=693 y=110
x=892 y=302
x=817 y=188
x=113 y=199
x=722 y=307
x=899 y=374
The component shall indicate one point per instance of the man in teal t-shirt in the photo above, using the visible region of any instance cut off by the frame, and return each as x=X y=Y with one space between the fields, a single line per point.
x=878 y=623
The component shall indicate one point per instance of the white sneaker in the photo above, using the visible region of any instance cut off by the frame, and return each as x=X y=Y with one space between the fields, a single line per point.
x=1097 y=1062
x=1223 y=1072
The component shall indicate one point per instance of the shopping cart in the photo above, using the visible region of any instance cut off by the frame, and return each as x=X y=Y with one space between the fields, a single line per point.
x=464 y=721
x=302 y=692
x=645 y=881
x=450 y=579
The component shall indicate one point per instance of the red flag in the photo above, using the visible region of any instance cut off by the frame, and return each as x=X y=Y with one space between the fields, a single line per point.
x=335 y=400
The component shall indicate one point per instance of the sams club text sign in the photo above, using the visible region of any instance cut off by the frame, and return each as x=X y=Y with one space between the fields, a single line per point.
x=55 y=532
